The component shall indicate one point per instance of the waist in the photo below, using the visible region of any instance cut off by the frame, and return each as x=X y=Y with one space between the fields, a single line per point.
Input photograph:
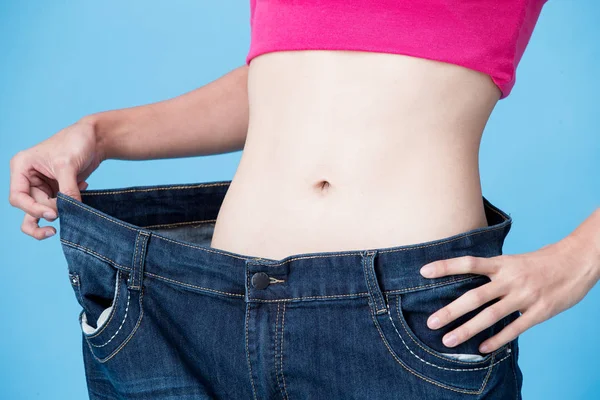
x=278 y=211
x=348 y=150
x=179 y=221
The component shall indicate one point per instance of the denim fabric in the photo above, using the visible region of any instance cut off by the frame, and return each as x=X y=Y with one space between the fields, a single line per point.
x=182 y=320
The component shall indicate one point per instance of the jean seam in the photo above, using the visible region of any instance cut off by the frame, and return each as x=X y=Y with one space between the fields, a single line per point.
x=400 y=318
x=110 y=261
x=202 y=248
x=248 y=352
x=93 y=253
x=440 y=367
x=153 y=189
x=286 y=397
x=115 y=300
x=433 y=382
x=122 y=322
x=122 y=345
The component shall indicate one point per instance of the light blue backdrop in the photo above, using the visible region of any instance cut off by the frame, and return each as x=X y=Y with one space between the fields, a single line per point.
x=61 y=60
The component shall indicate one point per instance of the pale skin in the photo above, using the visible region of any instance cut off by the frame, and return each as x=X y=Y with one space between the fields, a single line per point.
x=215 y=119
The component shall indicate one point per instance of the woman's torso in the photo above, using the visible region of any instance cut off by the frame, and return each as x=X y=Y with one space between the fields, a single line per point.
x=395 y=138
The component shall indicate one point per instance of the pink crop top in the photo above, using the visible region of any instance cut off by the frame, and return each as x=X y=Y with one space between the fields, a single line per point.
x=489 y=36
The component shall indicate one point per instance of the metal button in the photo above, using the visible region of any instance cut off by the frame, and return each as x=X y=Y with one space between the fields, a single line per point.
x=260 y=280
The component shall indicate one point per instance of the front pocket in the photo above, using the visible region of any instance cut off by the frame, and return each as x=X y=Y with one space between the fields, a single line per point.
x=110 y=311
x=420 y=349
x=410 y=312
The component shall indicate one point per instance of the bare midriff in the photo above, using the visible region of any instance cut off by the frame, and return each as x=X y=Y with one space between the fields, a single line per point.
x=351 y=150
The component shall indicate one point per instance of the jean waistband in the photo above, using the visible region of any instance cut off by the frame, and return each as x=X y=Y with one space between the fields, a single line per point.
x=107 y=224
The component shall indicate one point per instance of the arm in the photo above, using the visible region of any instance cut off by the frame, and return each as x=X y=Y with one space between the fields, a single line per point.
x=586 y=240
x=208 y=120
x=212 y=119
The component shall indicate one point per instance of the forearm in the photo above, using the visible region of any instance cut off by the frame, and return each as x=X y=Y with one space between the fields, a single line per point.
x=587 y=239
x=212 y=119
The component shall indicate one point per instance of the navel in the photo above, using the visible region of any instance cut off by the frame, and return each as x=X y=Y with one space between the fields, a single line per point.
x=322 y=185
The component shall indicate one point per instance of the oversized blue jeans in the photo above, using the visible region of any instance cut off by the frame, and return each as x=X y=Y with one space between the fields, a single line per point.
x=165 y=316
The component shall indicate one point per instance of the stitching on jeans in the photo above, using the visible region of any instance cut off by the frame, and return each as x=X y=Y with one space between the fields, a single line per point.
x=400 y=318
x=275 y=352
x=132 y=276
x=409 y=369
x=192 y=286
x=425 y=349
x=207 y=249
x=362 y=294
x=366 y=271
x=281 y=353
x=120 y=326
x=210 y=250
x=206 y=221
x=118 y=349
x=248 y=352
x=357 y=295
x=443 y=283
x=154 y=189
x=494 y=209
x=140 y=275
x=113 y=312
x=437 y=366
x=379 y=251
x=92 y=252
x=100 y=215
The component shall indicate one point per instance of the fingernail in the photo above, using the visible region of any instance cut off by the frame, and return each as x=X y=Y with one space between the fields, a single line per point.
x=49 y=233
x=484 y=348
x=434 y=322
x=450 y=340
x=427 y=270
x=49 y=215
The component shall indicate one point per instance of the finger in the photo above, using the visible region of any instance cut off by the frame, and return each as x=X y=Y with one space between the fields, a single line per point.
x=41 y=196
x=67 y=182
x=19 y=197
x=484 y=319
x=31 y=228
x=460 y=265
x=82 y=185
x=510 y=332
x=469 y=301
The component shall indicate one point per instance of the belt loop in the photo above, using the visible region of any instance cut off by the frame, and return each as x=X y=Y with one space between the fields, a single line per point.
x=377 y=301
x=139 y=257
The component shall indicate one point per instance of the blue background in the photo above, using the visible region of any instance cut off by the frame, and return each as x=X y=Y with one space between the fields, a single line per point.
x=61 y=60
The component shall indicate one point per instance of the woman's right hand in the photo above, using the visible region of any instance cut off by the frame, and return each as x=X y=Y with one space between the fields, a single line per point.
x=60 y=163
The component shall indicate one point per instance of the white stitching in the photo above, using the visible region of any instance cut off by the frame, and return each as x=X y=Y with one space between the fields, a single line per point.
x=118 y=349
x=120 y=326
x=385 y=342
x=437 y=366
x=435 y=243
x=153 y=189
x=400 y=318
x=248 y=352
x=281 y=353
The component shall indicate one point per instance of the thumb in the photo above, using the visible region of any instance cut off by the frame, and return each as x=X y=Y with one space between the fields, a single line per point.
x=67 y=183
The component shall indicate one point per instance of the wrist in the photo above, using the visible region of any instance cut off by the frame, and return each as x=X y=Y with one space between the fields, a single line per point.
x=587 y=237
x=91 y=122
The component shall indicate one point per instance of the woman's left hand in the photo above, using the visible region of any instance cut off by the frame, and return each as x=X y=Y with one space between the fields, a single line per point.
x=539 y=284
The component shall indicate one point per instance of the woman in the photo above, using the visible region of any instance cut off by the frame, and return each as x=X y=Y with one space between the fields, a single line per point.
x=301 y=278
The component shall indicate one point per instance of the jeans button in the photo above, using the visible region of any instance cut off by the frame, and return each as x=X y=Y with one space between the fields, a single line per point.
x=260 y=280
